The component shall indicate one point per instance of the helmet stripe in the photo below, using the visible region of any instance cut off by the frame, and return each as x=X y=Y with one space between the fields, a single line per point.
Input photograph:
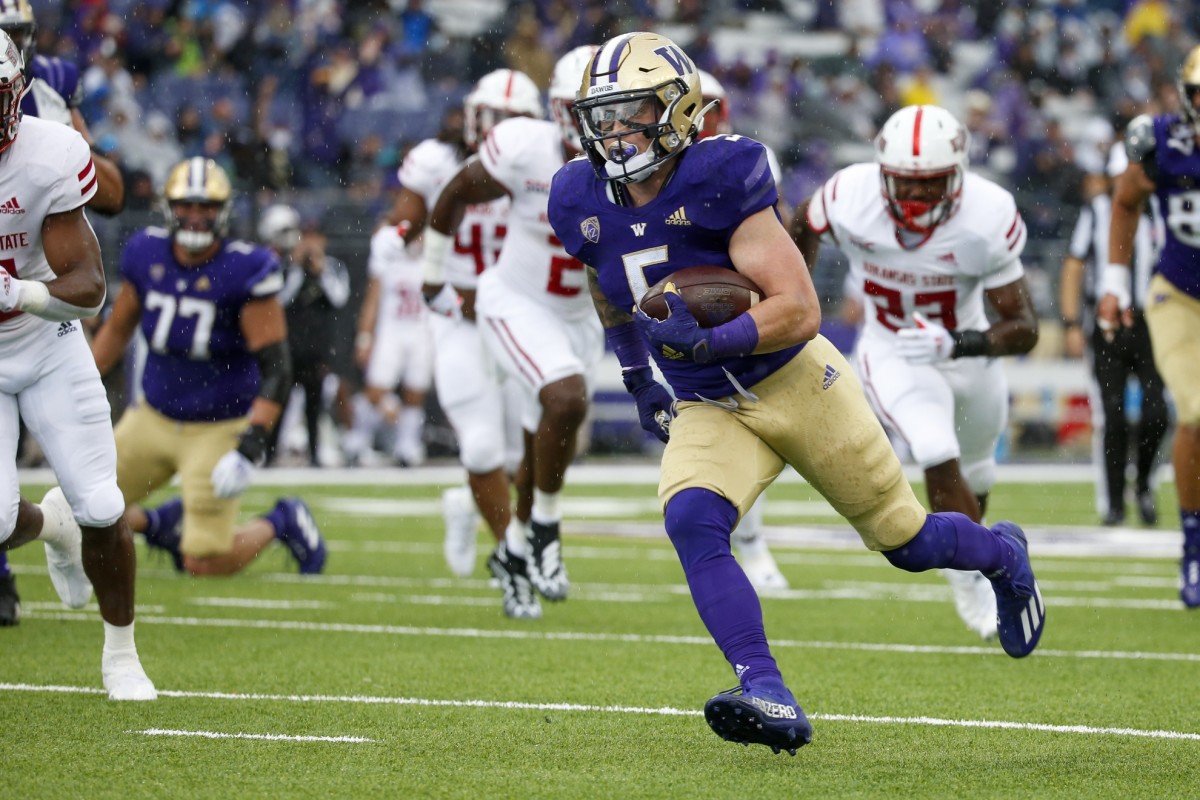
x=196 y=177
x=508 y=87
x=917 y=131
x=612 y=55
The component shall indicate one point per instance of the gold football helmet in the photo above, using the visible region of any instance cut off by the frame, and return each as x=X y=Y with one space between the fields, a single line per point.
x=197 y=181
x=630 y=76
x=1188 y=84
x=17 y=20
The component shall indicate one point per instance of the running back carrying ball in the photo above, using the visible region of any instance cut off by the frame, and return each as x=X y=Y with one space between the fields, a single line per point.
x=714 y=295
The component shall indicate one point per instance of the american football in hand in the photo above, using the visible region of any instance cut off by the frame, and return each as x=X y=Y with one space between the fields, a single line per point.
x=714 y=295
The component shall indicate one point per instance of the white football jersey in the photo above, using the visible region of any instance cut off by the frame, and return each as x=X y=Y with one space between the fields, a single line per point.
x=47 y=170
x=944 y=278
x=425 y=170
x=399 y=275
x=523 y=154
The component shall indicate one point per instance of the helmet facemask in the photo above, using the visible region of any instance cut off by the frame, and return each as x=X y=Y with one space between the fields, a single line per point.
x=637 y=84
x=13 y=87
x=921 y=215
x=197 y=181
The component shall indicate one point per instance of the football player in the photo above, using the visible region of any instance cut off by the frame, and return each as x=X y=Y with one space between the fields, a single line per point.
x=927 y=252
x=216 y=375
x=753 y=394
x=52 y=277
x=533 y=310
x=52 y=93
x=481 y=408
x=394 y=348
x=1163 y=161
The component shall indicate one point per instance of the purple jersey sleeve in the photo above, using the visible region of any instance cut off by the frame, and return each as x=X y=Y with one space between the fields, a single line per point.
x=198 y=368
x=61 y=76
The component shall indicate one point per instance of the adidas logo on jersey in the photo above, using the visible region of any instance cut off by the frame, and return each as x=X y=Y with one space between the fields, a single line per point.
x=948 y=258
x=11 y=207
x=65 y=328
x=678 y=217
x=831 y=375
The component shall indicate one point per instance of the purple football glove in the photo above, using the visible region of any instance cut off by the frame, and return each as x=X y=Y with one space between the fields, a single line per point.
x=678 y=337
x=655 y=406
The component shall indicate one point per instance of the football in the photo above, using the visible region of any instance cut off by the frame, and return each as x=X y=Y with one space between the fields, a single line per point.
x=714 y=295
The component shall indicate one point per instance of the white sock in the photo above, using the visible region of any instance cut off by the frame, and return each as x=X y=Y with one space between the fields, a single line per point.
x=514 y=538
x=118 y=638
x=545 y=507
x=409 y=425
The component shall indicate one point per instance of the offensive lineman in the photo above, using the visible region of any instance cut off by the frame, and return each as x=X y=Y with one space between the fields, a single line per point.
x=925 y=253
x=216 y=376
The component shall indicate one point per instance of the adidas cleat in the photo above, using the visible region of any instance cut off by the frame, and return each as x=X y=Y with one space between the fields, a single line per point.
x=301 y=535
x=755 y=717
x=510 y=573
x=124 y=678
x=547 y=572
x=1020 y=612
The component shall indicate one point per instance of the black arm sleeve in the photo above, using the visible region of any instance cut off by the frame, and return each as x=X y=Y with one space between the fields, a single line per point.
x=275 y=372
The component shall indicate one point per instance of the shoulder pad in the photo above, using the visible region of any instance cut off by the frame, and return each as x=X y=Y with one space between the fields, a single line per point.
x=1139 y=138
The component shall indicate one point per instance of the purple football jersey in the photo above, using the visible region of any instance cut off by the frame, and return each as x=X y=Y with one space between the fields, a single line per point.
x=1177 y=159
x=197 y=367
x=718 y=183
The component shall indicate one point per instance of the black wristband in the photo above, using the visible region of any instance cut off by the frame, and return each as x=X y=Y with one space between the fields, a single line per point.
x=968 y=344
x=253 y=444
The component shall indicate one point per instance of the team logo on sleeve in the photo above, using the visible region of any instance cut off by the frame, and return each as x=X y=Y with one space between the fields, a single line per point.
x=590 y=228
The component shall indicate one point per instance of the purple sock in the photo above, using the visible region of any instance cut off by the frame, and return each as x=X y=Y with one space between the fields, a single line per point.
x=699 y=522
x=276 y=517
x=4 y=570
x=162 y=523
x=950 y=539
x=1191 y=531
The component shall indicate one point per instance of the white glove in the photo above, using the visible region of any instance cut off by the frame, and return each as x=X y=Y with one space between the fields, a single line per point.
x=231 y=475
x=446 y=302
x=10 y=291
x=927 y=343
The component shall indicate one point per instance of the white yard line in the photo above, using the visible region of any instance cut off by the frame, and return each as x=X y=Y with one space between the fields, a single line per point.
x=625 y=638
x=1089 y=730
x=270 y=737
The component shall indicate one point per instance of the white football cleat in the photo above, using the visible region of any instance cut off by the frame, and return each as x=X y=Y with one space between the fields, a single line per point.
x=124 y=678
x=462 y=524
x=64 y=550
x=975 y=601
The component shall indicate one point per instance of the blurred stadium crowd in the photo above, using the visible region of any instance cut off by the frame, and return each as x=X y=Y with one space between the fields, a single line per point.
x=314 y=102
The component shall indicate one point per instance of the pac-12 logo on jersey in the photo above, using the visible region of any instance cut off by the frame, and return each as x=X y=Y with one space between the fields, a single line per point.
x=590 y=228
